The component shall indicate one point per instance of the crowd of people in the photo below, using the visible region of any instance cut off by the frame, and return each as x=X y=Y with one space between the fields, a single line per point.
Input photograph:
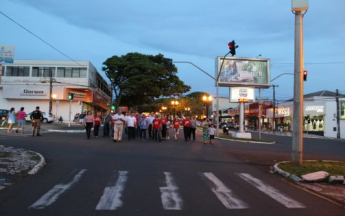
x=155 y=127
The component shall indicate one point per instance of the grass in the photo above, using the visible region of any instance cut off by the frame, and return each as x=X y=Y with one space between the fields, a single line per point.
x=333 y=168
x=244 y=139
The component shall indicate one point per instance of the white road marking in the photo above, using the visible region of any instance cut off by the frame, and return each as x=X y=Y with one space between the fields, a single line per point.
x=171 y=199
x=51 y=196
x=271 y=191
x=224 y=194
x=111 y=198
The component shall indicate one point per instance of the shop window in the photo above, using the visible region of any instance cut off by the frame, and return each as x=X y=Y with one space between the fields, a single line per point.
x=342 y=110
x=17 y=71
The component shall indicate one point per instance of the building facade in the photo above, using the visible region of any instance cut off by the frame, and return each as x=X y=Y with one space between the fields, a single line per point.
x=31 y=83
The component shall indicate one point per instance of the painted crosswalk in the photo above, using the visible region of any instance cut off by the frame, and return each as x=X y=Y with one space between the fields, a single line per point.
x=171 y=196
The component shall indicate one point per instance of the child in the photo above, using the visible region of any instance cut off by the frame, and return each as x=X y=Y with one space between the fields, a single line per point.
x=211 y=131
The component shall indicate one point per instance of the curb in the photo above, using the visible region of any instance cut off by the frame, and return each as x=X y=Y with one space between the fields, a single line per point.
x=38 y=166
x=245 y=141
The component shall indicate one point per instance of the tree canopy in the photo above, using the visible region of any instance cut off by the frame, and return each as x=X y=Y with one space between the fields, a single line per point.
x=138 y=79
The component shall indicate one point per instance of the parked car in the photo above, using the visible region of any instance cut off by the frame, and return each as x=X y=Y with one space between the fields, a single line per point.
x=3 y=114
x=47 y=118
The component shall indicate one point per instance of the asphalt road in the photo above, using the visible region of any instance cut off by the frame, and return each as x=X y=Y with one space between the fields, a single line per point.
x=99 y=177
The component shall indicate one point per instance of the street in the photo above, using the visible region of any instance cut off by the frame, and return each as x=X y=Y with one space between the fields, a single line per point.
x=100 y=177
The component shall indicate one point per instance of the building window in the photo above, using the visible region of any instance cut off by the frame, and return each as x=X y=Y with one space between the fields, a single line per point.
x=71 y=72
x=17 y=71
x=43 y=71
x=342 y=110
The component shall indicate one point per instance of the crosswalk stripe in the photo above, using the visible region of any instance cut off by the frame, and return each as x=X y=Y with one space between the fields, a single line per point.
x=111 y=198
x=51 y=196
x=224 y=194
x=171 y=199
x=270 y=191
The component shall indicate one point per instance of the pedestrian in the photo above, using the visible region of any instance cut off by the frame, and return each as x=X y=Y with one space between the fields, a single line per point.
x=97 y=122
x=11 y=120
x=106 y=124
x=164 y=126
x=137 y=128
x=21 y=119
x=211 y=131
x=157 y=128
x=131 y=122
x=176 y=127
x=88 y=123
x=167 y=136
x=150 y=120
x=119 y=122
x=60 y=119
x=112 y=126
x=186 y=128
x=143 y=124
x=205 y=131
x=192 y=128
x=36 y=118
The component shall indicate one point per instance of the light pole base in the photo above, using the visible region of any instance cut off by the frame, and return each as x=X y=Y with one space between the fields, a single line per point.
x=242 y=135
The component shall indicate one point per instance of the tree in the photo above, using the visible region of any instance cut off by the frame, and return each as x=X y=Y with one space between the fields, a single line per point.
x=138 y=78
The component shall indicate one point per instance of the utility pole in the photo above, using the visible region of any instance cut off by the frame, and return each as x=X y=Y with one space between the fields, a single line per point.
x=297 y=136
x=274 y=106
x=338 y=113
x=50 y=91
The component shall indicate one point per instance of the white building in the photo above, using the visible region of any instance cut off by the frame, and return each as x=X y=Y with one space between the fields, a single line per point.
x=320 y=114
x=26 y=83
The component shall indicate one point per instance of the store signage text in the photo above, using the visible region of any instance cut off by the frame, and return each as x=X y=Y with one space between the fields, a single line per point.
x=283 y=111
x=318 y=109
x=32 y=92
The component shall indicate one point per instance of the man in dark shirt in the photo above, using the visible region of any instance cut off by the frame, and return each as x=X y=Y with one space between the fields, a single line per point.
x=36 y=117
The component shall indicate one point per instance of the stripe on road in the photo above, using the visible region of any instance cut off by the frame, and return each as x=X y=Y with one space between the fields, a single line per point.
x=171 y=199
x=51 y=196
x=224 y=194
x=111 y=198
x=271 y=191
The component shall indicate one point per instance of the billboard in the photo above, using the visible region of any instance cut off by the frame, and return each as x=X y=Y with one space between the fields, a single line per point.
x=6 y=54
x=242 y=92
x=243 y=72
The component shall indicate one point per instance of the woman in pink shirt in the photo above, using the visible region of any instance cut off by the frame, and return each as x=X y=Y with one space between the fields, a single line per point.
x=88 y=123
x=21 y=119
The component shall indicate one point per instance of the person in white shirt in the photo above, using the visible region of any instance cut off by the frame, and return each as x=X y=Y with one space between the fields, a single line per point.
x=150 y=120
x=119 y=122
x=131 y=125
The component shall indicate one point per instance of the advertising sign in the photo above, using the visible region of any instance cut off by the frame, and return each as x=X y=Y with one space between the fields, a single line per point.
x=6 y=54
x=242 y=92
x=243 y=72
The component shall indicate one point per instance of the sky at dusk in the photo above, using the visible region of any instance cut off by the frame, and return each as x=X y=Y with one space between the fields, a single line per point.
x=194 y=31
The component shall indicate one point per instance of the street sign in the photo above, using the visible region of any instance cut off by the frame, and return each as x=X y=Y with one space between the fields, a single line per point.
x=6 y=54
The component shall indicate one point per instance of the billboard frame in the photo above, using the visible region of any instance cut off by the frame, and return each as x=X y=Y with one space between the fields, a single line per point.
x=219 y=61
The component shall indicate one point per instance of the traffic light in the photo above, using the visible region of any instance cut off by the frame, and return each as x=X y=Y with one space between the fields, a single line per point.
x=232 y=46
x=112 y=107
x=70 y=96
x=305 y=73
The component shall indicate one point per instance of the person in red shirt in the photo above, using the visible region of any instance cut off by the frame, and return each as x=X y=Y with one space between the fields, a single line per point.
x=176 y=127
x=186 y=128
x=157 y=128
x=164 y=127
x=97 y=119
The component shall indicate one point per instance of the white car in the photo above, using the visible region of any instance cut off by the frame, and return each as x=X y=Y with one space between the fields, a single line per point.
x=47 y=118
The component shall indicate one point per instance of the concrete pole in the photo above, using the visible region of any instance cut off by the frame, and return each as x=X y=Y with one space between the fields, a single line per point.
x=69 y=115
x=259 y=113
x=338 y=113
x=241 y=117
x=297 y=135
x=217 y=109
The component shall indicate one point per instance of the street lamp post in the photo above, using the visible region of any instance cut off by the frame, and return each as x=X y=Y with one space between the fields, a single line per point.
x=207 y=100
x=164 y=109
x=56 y=105
x=174 y=103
